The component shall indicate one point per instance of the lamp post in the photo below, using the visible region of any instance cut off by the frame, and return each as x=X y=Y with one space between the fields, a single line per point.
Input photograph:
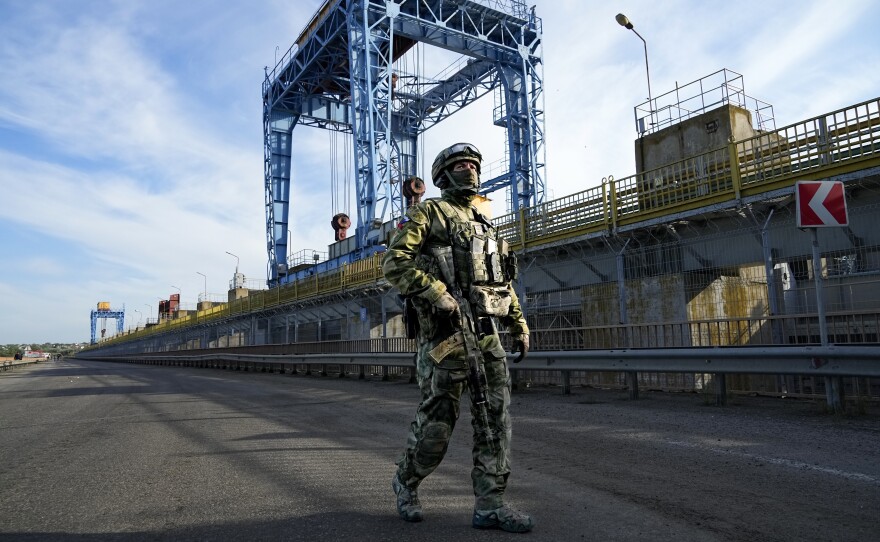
x=623 y=21
x=206 y=285
x=139 y=318
x=151 y=311
x=236 y=261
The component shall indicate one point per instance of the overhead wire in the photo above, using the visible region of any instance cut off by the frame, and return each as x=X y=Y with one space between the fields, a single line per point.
x=334 y=183
x=420 y=76
x=347 y=156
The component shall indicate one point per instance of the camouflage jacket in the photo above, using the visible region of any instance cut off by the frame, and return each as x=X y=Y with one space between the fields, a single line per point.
x=409 y=265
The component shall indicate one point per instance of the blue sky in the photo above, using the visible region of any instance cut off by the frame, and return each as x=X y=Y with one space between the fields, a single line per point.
x=131 y=131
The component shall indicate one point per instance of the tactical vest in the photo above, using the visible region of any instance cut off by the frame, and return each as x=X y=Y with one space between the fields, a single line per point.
x=477 y=261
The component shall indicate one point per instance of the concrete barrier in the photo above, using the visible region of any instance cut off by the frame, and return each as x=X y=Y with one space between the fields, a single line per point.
x=9 y=364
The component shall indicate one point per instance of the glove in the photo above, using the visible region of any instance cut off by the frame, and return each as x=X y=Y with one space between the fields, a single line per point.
x=521 y=344
x=446 y=303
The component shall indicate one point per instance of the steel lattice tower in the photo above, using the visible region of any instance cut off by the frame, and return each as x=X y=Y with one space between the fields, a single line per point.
x=340 y=75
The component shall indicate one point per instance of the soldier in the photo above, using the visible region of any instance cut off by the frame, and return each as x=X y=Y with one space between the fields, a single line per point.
x=448 y=233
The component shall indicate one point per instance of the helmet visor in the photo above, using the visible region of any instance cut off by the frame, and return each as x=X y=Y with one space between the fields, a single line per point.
x=463 y=148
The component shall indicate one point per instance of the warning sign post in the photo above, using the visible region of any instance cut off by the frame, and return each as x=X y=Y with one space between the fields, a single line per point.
x=822 y=204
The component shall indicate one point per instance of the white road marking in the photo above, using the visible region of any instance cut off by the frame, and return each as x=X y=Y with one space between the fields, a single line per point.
x=800 y=465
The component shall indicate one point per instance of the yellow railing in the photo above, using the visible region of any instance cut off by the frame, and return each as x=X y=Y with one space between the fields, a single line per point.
x=348 y=276
x=839 y=142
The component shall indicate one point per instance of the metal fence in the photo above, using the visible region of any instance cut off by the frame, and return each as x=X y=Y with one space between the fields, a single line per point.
x=694 y=98
x=838 y=142
x=729 y=280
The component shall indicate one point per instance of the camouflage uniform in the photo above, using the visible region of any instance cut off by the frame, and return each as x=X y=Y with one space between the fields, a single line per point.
x=441 y=362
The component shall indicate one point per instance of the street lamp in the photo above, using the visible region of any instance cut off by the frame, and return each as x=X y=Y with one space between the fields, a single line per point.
x=236 y=261
x=151 y=311
x=623 y=21
x=206 y=285
x=139 y=317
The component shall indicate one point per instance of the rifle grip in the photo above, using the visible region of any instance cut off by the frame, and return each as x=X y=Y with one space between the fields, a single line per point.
x=522 y=352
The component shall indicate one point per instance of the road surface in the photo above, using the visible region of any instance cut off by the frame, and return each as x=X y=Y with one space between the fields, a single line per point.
x=109 y=451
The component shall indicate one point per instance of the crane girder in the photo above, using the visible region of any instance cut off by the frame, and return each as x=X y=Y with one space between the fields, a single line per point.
x=341 y=75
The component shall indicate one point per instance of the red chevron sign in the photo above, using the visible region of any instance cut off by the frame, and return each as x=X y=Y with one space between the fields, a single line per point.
x=820 y=204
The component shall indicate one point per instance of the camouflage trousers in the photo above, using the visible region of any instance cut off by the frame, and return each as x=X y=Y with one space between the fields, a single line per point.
x=435 y=419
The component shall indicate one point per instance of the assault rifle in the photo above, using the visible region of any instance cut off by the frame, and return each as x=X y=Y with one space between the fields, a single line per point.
x=467 y=323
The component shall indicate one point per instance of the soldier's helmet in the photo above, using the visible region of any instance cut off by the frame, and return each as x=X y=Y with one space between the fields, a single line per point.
x=449 y=156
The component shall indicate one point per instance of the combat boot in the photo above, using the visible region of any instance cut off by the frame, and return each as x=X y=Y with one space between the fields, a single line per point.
x=408 y=505
x=504 y=518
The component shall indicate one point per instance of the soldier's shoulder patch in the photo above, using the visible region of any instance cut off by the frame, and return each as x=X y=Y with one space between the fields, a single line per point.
x=417 y=214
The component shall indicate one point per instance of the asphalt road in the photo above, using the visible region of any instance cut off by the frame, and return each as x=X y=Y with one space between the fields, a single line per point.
x=104 y=451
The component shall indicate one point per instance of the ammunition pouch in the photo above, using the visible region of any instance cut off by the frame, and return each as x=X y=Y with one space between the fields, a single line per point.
x=490 y=300
x=511 y=268
x=485 y=326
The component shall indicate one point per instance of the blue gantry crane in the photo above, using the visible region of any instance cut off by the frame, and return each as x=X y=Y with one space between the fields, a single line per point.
x=103 y=312
x=344 y=73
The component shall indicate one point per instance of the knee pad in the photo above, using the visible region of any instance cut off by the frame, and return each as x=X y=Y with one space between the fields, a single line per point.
x=433 y=443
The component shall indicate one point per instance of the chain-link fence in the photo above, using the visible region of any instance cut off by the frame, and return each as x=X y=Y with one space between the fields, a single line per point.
x=734 y=278
x=735 y=265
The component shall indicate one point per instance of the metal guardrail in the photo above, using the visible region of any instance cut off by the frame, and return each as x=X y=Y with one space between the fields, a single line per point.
x=862 y=361
x=845 y=328
x=830 y=362
x=8 y=365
